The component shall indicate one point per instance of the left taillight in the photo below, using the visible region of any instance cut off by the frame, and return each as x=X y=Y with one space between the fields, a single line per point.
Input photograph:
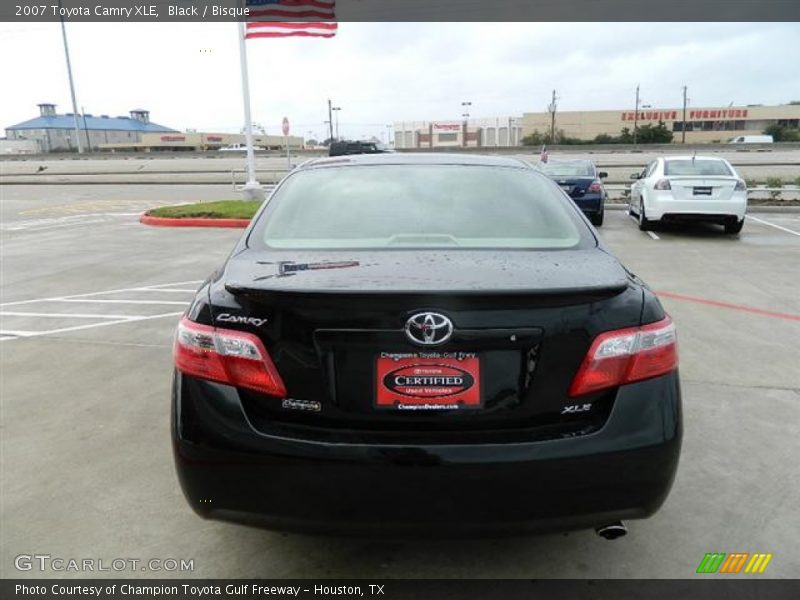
x=226 y=356
x=595 y=188
x=627 y=355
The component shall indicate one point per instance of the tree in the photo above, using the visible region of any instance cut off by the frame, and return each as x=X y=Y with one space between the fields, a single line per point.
x=654 y=134
x=782 y=133
x=312 y=142
x=534 y=139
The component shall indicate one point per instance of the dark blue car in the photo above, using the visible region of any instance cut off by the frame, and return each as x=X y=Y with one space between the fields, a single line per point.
x=581 y=180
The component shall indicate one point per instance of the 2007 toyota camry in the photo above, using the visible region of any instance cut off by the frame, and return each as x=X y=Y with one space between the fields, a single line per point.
x=436 y=343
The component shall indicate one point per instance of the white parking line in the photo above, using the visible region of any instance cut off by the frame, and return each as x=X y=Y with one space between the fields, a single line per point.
x=117 y=301
x=653 y=235
x=87 y=295
x=163 y=290
x=30 y=334
x=792 y=231
x=5 y=313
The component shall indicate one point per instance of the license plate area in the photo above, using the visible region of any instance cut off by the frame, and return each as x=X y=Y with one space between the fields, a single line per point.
x=427 y=381
x=702 y=190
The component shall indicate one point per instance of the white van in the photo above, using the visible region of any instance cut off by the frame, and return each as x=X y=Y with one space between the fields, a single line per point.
x=752 y=139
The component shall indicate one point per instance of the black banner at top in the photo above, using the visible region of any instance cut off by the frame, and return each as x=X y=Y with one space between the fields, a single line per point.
x=194 y=11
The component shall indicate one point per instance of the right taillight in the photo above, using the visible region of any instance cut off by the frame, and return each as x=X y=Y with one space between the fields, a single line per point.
x=662 y=184
x=741 y=186
x=627 y=355
x=233 y=357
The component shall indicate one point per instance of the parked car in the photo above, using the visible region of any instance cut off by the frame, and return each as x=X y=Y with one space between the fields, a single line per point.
x=346 y=148
x=582 y=182
x=689 y=188
x=752 y=139
x=433 y=343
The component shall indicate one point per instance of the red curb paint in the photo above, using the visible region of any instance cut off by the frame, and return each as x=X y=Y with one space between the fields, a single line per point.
x=146 y=219
x=757 y=311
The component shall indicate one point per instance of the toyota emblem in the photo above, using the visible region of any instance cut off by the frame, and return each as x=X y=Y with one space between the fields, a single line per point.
x=429 y=328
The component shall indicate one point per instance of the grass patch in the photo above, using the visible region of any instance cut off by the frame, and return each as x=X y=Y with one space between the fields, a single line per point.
x=224 y=209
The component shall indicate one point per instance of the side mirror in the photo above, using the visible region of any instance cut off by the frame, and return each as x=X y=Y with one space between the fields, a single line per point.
x=602 y=174
x=636 y=176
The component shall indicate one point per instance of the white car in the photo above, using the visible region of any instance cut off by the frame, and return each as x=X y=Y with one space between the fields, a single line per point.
x=689 y=188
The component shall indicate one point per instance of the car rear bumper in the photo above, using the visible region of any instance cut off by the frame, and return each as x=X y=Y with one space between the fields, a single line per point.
x=590 y=203
x=664 y=204
x=230 y=471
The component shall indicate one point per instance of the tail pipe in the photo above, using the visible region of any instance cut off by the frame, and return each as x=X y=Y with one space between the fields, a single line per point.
x=612 y=531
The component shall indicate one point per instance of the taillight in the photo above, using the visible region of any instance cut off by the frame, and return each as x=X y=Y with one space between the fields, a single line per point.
x=595 y=188
x=227 y=356
x=662 y=184
x=741 y=186
x=627 y=355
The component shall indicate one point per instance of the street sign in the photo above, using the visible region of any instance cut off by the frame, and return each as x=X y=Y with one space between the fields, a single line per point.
x=285 y=126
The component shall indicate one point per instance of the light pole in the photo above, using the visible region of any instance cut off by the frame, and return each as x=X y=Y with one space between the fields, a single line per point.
x=636 y=116
x=683 y=126
x=336 y=109
x=552 y=110
x=466 y=106
x=389 y=136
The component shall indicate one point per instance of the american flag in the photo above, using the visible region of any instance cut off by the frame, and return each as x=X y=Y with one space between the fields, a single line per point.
x=288 y=18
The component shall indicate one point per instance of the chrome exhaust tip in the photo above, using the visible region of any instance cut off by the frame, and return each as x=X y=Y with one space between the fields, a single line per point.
x=612 y=531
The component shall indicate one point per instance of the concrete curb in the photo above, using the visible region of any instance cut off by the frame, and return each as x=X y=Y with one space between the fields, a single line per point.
x=146 y=219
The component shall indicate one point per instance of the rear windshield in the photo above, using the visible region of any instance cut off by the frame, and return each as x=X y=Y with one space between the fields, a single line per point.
x=568 y=169
x=701 y=167
x=419 y=206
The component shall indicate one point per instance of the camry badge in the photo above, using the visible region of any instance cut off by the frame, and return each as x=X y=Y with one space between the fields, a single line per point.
x=429 y=328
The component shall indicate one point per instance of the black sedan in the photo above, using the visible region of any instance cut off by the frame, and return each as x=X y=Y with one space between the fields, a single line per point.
x=424 y=343
x=582 y=182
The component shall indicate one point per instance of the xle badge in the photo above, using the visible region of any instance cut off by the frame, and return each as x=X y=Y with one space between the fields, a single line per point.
x=576 y=408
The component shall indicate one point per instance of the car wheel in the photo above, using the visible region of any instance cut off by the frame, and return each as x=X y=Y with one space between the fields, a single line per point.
x=597 y=218
x=645 y=224
x=734 y=227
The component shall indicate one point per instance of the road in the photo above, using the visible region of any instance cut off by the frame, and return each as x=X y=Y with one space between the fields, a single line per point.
x=198 y=168
x=88 y=305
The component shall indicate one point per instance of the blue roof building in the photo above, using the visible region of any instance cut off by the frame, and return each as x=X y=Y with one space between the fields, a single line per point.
x=54 y=132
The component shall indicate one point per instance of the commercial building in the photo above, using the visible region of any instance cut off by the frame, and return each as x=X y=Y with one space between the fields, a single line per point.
x=703 y=125
x=201 y=142
x=55 y=133
x=472 y=133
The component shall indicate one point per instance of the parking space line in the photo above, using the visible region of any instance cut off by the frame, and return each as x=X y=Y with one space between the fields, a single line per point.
x=653 y=235
x=30 y=334
x=762 y=221
x=163 y=290
x=87 y=295
x=5 y=313
x=717 y=303
x=117 y=301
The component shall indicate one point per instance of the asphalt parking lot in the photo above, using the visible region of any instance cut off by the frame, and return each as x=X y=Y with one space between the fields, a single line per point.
x=88 y=302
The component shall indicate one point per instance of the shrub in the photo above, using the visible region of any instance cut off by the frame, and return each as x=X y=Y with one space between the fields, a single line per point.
x=775 y=182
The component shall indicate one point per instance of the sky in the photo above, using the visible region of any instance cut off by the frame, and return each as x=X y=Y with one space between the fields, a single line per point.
x=188 y=75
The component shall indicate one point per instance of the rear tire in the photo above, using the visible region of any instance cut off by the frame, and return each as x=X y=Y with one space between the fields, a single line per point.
x=597 y=218
x=734 y=227
x=645 y=224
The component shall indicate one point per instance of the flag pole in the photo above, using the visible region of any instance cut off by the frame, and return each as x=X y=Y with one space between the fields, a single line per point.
x=71 y=86
x=251 y=188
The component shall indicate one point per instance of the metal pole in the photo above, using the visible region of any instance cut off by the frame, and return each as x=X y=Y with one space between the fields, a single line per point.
x=71 y=83
x=288 y=156
x=330 y=119
x=636 y=117
x=553 y=119
x=86 y=130
x=251 y=185
x=683 y=127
